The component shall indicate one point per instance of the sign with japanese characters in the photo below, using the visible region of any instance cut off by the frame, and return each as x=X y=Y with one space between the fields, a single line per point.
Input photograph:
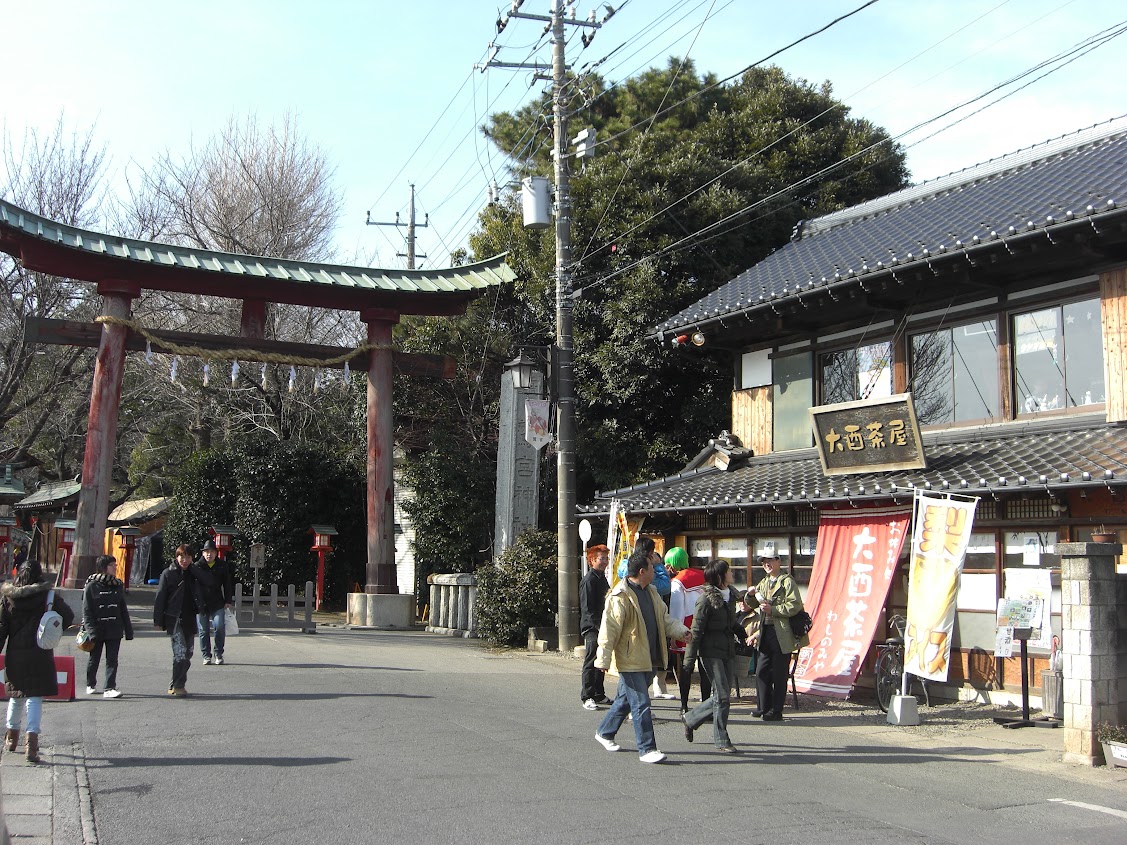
x=867 y=436
x=939 y=547
x=857 y=553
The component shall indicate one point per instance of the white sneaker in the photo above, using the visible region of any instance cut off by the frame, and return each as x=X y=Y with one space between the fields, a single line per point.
x=112 y=693
x=91 y=691
x=590 y=704
x=652 y=757
x=218 y=660
x=207 y=661
x=608 y=744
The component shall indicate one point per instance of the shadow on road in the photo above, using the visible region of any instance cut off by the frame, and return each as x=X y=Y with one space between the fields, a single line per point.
x=146 y=762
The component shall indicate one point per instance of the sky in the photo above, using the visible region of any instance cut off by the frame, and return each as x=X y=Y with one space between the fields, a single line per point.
x=389 y=91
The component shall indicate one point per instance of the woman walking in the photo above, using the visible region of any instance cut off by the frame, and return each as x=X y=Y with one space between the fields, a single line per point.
x=30 y=670
x=713 y=642
x=105 y=618
x=180 y=596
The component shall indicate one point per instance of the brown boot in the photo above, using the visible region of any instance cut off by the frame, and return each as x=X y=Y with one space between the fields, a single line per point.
x=11 y=738
x=32 y=748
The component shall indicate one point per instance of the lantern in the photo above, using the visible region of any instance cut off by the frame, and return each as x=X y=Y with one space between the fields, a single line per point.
x=128 y=535
x=322 y=544
x=65 y=529
x=223 y=534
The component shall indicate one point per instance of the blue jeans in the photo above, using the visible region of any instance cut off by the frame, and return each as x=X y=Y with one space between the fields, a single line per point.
x=633 y=696
x=181 y=656
x=34 y=708
x=216 y=620
x=716 y=707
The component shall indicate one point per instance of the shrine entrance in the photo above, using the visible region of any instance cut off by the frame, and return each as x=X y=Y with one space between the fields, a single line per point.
x=123 y=267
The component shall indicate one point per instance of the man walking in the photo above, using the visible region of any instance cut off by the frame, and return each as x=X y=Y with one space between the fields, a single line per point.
x=592 y=596
x=635 y=630
x=211 y=620
x=178 y=600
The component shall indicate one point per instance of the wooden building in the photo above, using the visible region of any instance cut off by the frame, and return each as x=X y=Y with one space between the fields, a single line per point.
x=997 y=297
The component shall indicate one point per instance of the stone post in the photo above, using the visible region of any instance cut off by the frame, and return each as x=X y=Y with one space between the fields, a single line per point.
x=1089 y=608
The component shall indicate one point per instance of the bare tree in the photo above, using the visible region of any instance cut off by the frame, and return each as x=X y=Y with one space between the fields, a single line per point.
x=59 y=174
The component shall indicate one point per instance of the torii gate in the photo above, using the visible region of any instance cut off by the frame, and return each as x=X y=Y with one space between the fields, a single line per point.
x=123 y=267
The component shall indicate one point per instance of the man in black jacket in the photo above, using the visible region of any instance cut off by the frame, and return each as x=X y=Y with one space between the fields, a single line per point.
x=211 y=617
x=592 y=596
x=105 y=619
x=180 y=595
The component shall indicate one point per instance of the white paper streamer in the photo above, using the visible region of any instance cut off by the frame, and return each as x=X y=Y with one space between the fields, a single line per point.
x=346 y=371
x=175 y=363
x=234 y=372
x=293 y=377
x=148 y=352
x=206 y=373
x=263 y=376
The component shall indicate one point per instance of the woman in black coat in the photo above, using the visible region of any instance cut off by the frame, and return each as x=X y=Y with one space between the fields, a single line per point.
x=180 y=595
x=30 y=670
x=714 y=643
x=105 y=618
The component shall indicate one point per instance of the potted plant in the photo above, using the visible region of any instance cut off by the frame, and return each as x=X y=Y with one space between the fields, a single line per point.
x=1101 y=535
x=1114 y=740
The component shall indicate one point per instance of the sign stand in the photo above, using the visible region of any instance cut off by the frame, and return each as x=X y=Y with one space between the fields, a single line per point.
x=1022 y=635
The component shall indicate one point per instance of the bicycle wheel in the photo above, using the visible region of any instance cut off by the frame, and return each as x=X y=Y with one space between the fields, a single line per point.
x=889 y=672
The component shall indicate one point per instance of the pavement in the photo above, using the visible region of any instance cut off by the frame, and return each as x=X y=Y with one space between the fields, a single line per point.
x=54 y=802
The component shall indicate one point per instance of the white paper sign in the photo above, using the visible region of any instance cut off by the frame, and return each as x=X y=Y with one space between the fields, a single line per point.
x=536 y=413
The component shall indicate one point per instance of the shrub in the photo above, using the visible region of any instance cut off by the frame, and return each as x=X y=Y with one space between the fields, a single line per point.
x=1107 y=732
x=519 y=591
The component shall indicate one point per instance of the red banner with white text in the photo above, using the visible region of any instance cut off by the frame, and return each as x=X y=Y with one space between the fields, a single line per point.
x=853 y=567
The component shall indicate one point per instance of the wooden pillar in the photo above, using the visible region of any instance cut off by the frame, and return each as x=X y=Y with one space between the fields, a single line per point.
x=101 y=436
x=1113 y=315
x=381 y=484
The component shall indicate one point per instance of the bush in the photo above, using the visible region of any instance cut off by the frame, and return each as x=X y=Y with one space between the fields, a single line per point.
x=519 y=591
x=1107 y=732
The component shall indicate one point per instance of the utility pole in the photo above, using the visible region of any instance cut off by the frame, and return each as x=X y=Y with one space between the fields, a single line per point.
x=567 y=540
x=410 y=224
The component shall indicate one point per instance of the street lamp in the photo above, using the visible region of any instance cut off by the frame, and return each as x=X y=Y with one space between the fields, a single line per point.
x=222 y=535
x=324 y=547
x=128 y=535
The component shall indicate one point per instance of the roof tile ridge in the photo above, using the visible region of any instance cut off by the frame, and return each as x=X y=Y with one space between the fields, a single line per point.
x=1020 y=159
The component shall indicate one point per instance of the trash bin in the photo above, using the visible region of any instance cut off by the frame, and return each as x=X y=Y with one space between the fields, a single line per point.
x=1052 y=694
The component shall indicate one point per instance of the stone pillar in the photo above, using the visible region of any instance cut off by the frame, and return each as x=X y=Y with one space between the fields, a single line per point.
x=101 y=436
x=518 y=466
x=453 y=596
x=1089 y=609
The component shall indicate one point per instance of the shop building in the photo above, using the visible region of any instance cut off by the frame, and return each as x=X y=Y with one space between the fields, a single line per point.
x=996 y=297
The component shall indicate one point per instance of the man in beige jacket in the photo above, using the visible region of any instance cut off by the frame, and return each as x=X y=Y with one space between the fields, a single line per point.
x=635 y=631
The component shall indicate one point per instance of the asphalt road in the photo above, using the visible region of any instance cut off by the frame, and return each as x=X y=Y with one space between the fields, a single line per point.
x=374 y=737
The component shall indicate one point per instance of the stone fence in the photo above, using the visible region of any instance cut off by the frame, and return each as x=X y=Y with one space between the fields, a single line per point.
x=452 y=600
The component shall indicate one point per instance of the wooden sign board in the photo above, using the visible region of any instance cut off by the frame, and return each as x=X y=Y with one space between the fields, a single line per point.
x=257 y=555
x=871 y=435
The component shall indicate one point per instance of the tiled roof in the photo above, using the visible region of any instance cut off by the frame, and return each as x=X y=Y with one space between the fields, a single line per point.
x=1058 y=455
x=139 y=510
x=50 y=495
x=1075 y=181
x=21 y=231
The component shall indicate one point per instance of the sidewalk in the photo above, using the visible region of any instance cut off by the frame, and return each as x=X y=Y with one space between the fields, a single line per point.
x=48 y=803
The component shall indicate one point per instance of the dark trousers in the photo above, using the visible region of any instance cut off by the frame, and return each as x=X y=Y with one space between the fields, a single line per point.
x=592 y=678
x=771 y=672
x=95 y=657
x=685 y=682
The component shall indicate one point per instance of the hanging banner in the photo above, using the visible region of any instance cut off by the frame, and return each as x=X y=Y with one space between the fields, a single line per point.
x=856 y=557
x=939 y=546
x=536 y=412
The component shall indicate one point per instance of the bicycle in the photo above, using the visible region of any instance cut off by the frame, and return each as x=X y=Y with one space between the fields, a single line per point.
x=890 y=667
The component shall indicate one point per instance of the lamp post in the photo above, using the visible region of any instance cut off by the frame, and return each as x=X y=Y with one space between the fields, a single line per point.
x=324 y=547
x=222 y=535
x=7 y=523
x=128 y=535
x=66 y=529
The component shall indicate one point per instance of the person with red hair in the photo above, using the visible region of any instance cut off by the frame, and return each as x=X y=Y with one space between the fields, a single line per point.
x=592 y=596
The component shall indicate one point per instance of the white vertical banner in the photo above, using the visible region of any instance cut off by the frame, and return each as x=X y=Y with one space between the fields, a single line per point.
x=939 y=546
x=536 y=412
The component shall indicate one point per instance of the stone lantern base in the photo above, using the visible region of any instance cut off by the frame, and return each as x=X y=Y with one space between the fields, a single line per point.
x=381 y=610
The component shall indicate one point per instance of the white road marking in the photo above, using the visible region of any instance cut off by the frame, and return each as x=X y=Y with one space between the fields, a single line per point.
x=1110 y=811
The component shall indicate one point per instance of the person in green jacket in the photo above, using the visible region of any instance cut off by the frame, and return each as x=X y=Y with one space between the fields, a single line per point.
x=779 y=600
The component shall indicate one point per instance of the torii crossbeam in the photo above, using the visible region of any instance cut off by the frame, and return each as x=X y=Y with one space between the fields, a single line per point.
x=123 y=267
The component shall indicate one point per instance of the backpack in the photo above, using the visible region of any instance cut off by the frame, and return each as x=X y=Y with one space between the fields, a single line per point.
x=50 y=626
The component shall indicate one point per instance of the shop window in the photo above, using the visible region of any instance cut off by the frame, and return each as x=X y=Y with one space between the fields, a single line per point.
x=981 y=553
x=734 y=551
x=805 y=546
x=700 y=552
x=793 y=394
x=1058 y=358
x=955 y=374
x=1031 y=548
x=861 y=373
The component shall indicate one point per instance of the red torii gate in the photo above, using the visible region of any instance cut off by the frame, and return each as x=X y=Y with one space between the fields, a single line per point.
x=123 y=267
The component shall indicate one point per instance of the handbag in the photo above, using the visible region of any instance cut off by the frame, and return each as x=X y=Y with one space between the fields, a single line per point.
x=801 y=623
x=84 y=641
x=230 y=622
x=50 y=629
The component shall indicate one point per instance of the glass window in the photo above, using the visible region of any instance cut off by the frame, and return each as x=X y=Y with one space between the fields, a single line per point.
x=805 y=546
x=1032 y=548
x=700 y=551
x=793 y=377
x=1058 y=358
x=861 y=373
x=735 y=552
x=980 y=553
x=955 y=374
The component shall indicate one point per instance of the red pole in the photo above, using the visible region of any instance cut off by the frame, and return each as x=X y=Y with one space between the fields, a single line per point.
x=380 y=571
x=101 y=437
x=320 y=576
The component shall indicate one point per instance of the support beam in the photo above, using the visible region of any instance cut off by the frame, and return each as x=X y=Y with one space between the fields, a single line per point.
x=380 y=573
x=101 y=437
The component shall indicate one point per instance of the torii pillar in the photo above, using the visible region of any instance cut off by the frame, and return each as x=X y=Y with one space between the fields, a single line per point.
x=380 y=605
x=101 y=436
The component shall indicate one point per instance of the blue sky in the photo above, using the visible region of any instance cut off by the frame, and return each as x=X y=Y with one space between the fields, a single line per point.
x=388 y=90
